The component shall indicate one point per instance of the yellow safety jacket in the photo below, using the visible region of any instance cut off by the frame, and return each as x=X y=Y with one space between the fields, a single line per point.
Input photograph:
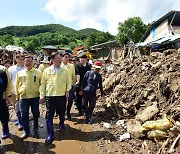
x=28 y=83
x=55 y=84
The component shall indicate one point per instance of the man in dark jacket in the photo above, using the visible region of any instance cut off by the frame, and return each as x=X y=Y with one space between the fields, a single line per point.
x=5 y=94
x=91 y=82
x=81 y=68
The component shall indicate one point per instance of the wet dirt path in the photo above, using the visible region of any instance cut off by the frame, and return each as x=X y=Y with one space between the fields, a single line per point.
x=76 y=139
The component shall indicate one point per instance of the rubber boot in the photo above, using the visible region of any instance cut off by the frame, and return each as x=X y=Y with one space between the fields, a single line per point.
x=20 y=127
x=88 y=117
x=69 y=105
x=26 y=133
x=35 y=125
x=5 y=130
x=61 y=126
x=50 y=130
x=69 y=116
x=61 y=123
x=88 y=121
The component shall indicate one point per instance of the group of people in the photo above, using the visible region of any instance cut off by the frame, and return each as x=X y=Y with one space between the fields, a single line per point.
x=57 y=85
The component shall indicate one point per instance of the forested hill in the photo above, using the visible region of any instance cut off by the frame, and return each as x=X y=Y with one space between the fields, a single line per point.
x=88 y=31
x=35 y=37
x=52 y=28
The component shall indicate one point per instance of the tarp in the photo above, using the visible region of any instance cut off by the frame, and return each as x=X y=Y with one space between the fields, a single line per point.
x=162 y=40
x=14 y=48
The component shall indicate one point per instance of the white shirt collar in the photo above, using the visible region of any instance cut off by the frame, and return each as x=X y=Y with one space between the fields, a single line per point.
x=56 y=69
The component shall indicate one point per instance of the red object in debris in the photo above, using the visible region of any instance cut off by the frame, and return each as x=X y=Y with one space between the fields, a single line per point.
x=97 y=64
x=78 y=48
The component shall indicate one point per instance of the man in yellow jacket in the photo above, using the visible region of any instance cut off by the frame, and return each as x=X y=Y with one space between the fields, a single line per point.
x=44 y=64
x=27 y=92
x=71 y=70
x=55 y=86
x=5 y=96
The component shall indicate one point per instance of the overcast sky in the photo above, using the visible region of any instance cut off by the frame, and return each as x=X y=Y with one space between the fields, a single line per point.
x=78 y=14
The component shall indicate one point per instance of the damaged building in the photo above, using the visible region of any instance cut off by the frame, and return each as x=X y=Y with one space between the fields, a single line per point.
x=163 y=34
x=107 y=50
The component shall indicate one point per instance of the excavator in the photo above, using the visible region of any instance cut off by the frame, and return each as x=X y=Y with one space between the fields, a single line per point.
x=81 y=49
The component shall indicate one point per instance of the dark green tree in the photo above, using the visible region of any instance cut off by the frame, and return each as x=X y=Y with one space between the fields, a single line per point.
x=35 y=37
x=132 y=29
x=103 y=37
x=7 y=40
x=32 y=44
x=63 y=40
x=72 y=45
x=90 y=40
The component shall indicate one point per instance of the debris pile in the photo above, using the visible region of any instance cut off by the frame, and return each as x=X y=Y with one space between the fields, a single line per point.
x=4 y=55
x=147 y=88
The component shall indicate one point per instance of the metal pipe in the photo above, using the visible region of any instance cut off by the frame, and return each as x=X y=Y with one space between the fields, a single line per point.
x=172 y=21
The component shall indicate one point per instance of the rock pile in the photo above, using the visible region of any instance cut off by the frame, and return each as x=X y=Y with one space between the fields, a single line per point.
x=145 y=87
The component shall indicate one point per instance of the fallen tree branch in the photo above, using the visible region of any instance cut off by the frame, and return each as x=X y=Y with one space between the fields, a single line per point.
x=174 y=123
x=163 y=146
x=174 y=143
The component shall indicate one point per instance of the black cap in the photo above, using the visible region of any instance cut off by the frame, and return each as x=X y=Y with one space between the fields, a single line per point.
x=82 y=55
x=66 y=53
x=74 y=58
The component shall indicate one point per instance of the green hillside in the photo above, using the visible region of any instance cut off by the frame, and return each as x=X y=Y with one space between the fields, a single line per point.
x=34 y=30
x=88 y=31
x=35 y=37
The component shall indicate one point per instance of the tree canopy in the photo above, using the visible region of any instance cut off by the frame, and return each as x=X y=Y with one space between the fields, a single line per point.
x=131 y=30
x=35 y=37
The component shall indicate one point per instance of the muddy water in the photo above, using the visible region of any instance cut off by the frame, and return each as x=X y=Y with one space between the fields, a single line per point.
x=76 y=139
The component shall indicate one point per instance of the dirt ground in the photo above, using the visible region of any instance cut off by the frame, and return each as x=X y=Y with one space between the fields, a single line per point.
x=130 y=89
x=76 y=139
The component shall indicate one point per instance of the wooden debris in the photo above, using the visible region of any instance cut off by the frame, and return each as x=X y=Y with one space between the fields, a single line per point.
x=161 y=150
x=174 y=143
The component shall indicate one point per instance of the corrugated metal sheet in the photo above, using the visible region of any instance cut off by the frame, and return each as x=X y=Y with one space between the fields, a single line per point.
x=162 y=40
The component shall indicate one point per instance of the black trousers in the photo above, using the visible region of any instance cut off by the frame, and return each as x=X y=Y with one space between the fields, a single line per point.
x=58 y=104
x=4 y=113
x=24 y=107
x=89 y=101
x=70 y=100
x=80 y=105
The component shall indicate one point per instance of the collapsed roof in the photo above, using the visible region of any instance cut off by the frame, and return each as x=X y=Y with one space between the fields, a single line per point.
x=163 y=40
x=173 y=18
x=105 y=45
